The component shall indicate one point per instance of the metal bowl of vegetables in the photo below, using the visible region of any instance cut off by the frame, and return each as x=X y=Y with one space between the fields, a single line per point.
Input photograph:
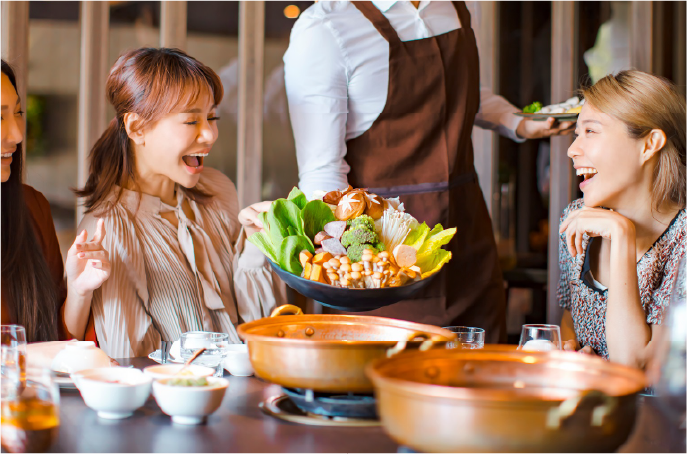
x=351 y=250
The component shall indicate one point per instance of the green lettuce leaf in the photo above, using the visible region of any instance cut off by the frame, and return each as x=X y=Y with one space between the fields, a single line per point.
x=316 y=215
x=289 y=250
x=297 y=197
x=435 y=241
x=433 y=262
x=282 y=215
x=417 y=236
x=262 y=241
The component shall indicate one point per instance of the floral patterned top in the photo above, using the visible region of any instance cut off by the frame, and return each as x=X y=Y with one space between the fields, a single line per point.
x=656 y=271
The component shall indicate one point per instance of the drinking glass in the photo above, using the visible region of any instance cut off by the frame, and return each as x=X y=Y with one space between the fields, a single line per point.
x=215 y=349
x=31 y=418
x=469 y=338
x=13 y=359
x=540 y=338
x=667 y=366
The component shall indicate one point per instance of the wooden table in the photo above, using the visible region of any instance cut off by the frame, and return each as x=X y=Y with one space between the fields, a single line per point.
x=240 y=426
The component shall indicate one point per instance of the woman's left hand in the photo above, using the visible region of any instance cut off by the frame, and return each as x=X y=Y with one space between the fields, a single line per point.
x=595 y=222
x=88 y=263
x=249 y=217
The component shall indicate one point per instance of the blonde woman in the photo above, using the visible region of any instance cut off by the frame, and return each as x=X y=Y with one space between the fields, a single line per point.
x=622 y=242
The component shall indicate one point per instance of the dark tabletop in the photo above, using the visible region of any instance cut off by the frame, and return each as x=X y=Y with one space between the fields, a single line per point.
x=240 y=426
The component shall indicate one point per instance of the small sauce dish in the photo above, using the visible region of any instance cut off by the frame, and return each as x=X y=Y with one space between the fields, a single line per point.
x=190 y=405
x=113 y=392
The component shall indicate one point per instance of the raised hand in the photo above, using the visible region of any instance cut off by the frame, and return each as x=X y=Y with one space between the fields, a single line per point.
x=248 y=217
x=595 y=222
x=88 y=263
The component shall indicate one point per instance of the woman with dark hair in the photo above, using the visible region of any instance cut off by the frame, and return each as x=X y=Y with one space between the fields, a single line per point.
x=179 y=257
x=34 y=292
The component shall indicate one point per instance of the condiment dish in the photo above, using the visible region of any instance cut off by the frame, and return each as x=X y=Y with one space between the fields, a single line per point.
x=113 y=392
x=237 y=361
x=168 y=370
x=190 y=405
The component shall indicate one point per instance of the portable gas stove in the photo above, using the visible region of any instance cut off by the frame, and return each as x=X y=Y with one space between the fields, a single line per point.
x=323 y=409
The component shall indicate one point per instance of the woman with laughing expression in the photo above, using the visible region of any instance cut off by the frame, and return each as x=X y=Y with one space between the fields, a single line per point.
x=35 y=293
x=622 y=242
x=179 y=257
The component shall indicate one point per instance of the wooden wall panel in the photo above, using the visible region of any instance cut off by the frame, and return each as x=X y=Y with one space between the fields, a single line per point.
x=93 y=71
x=250 y=110
x=173 y=16
x=563 y=81
x=641 y=19
x=485 y=142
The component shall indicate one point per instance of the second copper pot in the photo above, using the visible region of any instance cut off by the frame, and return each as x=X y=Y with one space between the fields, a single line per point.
x=328 y=353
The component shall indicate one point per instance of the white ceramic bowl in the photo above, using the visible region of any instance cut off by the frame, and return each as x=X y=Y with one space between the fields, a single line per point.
x=113 y=400
x=190 y=404
x=237 y=361
x=167 y=370
x=78 y=356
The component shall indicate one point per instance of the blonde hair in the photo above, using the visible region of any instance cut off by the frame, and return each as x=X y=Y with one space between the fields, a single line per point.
x=645 y=102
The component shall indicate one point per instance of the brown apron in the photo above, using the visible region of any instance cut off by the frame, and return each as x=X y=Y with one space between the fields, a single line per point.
x=420 y=149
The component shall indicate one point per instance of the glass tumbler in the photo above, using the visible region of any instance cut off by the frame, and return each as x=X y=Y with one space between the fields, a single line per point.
x=469 y=338
x=216 y=345
x=540 y=338
x=13 y=359
x=31 y=418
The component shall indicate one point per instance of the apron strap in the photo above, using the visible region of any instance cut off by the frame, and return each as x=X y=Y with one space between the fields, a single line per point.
x=380 y=22
x=463 y=14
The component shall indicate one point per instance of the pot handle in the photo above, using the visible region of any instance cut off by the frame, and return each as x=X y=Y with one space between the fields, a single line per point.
x=286 y=309
x=568 y=407
x=401 y=345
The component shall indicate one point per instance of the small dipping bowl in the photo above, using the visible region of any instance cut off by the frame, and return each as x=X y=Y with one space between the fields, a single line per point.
x=78 y=356
x=113 y=392
x=168 y=370
x=237 y=361
x=190 y=405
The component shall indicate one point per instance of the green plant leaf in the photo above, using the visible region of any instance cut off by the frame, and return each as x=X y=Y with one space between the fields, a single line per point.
x=316 y=215
x=282 y=215
x=433 y=263
x=297 y=197
x=436 y=239
x=417 y=237
x=262 y=241
x=289 y=250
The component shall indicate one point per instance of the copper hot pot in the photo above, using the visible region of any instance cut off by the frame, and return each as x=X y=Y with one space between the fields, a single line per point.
x=328 y=353
x=503 y=400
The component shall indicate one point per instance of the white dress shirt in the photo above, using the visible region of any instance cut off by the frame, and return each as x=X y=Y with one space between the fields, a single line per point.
x=337 y=79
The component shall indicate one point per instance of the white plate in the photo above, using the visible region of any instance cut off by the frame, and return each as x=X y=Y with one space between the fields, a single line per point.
x=544 y=116
x=63 y=382
x=157 y=357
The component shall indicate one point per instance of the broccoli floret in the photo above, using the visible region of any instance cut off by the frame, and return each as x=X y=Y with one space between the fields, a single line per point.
x=359 y=235
x=363 y=221
x=380 y=246
x=355 y=252
x=533 y=108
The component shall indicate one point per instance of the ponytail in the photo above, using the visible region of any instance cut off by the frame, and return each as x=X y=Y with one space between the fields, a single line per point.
x=112 y=161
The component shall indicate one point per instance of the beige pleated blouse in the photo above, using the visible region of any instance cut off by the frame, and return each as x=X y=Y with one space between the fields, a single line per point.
x=165 y=280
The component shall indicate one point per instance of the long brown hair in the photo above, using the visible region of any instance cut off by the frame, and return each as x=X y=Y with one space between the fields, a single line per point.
x=152 y=83
x=645 y=102
x=27 y=284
